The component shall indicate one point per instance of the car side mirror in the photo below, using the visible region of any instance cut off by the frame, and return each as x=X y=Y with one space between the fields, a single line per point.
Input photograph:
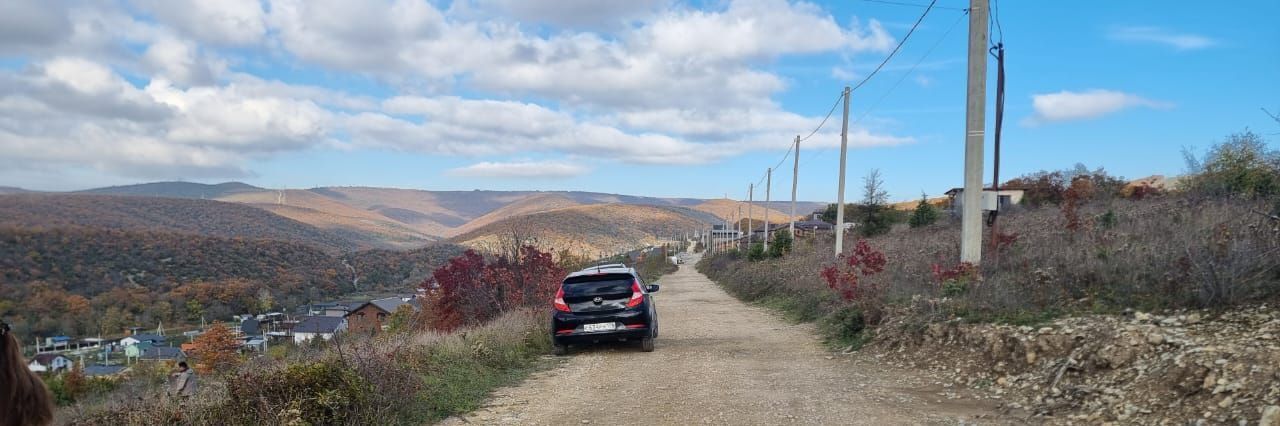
x=651 y=288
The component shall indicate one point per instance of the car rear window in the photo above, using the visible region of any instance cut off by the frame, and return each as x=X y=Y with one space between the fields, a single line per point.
x=591 y=285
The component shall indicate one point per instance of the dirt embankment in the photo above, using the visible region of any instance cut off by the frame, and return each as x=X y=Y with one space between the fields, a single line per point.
x=1181 y=368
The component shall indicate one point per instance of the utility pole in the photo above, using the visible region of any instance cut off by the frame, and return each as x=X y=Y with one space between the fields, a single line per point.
x=795 y=177
x=844 y=149
x=751 y=193
x=975 y=129
x=768 y=187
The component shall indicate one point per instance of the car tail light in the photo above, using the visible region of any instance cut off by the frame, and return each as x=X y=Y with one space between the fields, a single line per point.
x=636 y=296
x=560 y=305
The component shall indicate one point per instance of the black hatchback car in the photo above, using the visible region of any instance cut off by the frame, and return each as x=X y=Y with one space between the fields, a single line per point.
x=601 y=304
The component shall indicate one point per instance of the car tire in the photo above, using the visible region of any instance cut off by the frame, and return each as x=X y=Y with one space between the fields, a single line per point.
x=646 y=344
x=560 y=350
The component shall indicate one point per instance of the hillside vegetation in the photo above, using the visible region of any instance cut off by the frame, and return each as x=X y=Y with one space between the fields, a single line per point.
x=593 y=229
x=189 y=216
x=82 y=281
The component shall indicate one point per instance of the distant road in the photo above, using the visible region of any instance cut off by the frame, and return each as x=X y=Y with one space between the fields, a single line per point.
x=719 y=361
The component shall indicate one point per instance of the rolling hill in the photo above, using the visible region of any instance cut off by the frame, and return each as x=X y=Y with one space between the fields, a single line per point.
x=728 y=209
x=152 y=214
x=178 y=190
x=593 y=229
x=84 y=280
x=397 y=218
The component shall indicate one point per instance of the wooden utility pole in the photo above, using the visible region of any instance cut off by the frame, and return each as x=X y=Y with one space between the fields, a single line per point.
x=975 y=130
x=768 y=187
x=795 y=178
x=844 y=149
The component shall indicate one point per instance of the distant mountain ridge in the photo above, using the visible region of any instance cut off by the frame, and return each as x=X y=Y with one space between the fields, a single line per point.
x=177 y=189
x=398 y=218
x=593 y=229
x=150 y=214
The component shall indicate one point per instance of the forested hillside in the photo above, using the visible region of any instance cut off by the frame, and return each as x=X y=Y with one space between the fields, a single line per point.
x=79 y=280
x=203 y=217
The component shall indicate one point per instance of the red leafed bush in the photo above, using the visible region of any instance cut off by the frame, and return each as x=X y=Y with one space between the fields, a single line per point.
x=849 y=277
x=962 y=271
x=471 y=289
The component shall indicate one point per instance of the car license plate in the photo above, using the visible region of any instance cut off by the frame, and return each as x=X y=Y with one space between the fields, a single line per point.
x=607 y=326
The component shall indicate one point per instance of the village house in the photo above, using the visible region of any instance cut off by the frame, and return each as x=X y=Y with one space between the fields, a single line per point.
x=150 y=339
x=991 y=200
x=324 y=327
x=49 y=363
x=371 y=317
x=163 y=354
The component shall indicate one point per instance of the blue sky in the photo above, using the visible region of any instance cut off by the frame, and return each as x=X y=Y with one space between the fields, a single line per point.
x=647 y=97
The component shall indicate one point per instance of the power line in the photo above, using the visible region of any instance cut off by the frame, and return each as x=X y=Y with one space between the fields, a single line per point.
x=896 y=48
x=824 y=119
x=904 y=76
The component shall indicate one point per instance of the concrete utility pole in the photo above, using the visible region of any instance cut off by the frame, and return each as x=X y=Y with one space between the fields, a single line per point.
x=751 y=193
x=844 y=149
x=768 y=187
x=975 y=129
x=795 y=177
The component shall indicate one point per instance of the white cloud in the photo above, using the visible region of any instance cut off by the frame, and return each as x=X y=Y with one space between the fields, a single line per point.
x=232 y=22
x=180 y=61
x=1180 y=41
x=76 y=112
x=172 y=93
x=589 y=14
x=522 y=170
x=1067 y=105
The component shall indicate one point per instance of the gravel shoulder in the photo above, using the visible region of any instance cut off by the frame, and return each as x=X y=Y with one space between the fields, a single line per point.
x=720 y=361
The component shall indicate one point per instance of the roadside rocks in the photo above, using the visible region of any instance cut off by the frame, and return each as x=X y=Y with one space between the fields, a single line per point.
x=1140 y=368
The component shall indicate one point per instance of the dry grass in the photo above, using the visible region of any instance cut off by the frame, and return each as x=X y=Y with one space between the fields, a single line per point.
x=389 y=379
x=1171 y=252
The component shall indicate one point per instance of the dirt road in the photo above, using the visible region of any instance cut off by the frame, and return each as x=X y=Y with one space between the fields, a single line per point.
x=719 y=361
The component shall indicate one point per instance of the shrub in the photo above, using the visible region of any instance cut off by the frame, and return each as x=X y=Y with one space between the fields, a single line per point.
x=925 y=214
x=756 y=252
x=781 y=244
x=319 y=392
x=1241 y=165
x=844 y=327
x=850 y=278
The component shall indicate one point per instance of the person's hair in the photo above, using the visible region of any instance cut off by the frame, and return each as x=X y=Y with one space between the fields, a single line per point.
x=23 y=398
x=182 y=364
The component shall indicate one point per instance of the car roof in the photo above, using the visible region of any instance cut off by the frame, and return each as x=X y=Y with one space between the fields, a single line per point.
x=603 y=269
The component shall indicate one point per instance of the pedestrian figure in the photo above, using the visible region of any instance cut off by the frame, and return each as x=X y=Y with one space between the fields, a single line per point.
x=182 y=382
x=24 y=401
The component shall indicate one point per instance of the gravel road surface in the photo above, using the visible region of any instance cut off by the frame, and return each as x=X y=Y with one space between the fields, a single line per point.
x=719 y=361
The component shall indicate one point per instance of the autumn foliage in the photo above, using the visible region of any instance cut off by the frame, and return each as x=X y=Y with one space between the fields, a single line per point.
x=849 y=277
x=471 y=289
x=215 y=350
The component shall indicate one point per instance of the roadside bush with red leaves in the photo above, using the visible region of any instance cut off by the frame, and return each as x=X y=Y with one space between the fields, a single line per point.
x=849 y=277
x=471 y=289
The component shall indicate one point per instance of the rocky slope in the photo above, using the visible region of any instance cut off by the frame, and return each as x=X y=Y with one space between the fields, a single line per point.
x=1186 y=367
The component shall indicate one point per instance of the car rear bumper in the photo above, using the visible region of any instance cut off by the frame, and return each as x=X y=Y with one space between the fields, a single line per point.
x=580 y=337
x=568 y=328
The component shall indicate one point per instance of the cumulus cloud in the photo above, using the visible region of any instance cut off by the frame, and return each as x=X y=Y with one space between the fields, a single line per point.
x=1179 y=41
x=73 y=111
x=587 y=14
x=167 y=88
x=522 y=169
x=231 y=22
x=1068 y=106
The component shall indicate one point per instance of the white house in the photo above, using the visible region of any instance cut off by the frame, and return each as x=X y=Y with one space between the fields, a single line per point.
x=324 y=327
x=142 y=338
x=49 y=363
